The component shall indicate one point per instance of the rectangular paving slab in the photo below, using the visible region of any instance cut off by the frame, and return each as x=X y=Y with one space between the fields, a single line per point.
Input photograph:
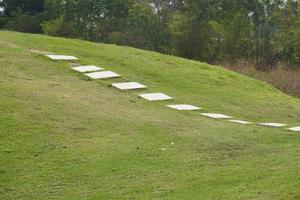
x=155 y=97
x=240 y=121
x=272 y=124
x=183 y=107
x=128 y=86
x=61 y=57
x=102 y=75
x=216 y=116
x=296 y=129
x=87 y=68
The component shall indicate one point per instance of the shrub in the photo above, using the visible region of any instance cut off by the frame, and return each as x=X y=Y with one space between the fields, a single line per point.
x=24 y=22
x=58 y=27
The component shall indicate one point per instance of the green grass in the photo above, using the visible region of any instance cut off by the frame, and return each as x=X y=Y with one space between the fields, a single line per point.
x=64 y=136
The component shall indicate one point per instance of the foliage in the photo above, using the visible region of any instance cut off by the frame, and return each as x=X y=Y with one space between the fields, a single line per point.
x=261 y=32
x=24 y=22
x=58 y=27
x=145 y=29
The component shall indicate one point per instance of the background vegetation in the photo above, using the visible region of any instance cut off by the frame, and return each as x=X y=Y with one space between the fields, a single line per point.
x=260 y=32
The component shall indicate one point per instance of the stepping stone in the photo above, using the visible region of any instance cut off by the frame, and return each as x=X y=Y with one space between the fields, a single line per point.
x=61 y=57
x=295 y=129
x=102 y=75
x=155 y=97
x=183 y=107
x=87 y=68
x=275 y=125
x=216 y=116
x=240 y=122
x=129 y=86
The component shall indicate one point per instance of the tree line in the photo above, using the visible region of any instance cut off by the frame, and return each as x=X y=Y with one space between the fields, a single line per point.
x=261 y=32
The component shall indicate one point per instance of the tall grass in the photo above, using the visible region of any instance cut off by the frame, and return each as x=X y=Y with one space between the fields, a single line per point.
x=283 y=78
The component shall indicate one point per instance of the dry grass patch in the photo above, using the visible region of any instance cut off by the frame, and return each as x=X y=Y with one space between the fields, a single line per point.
x=284 y=79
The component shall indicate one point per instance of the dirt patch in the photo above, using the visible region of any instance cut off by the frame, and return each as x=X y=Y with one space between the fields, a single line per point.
x=40 y=52
x=283 y=78
x=9 y=44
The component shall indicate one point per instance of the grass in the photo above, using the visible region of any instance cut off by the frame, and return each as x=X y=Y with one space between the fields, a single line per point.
x=66 y=137
x=284 y=78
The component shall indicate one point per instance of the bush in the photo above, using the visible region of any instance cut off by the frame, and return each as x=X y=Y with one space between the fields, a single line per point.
x=117 y=38
x=3 y=21
x=58 y=27
x=24 y=23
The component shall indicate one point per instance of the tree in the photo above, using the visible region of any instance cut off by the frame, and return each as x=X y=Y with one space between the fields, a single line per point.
x=145 y=28
x=24 y=16
x=288 y=35
x=31 y=7
x=260 y=31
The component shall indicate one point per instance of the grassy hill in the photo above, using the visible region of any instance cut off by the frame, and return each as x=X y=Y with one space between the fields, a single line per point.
x=63 y=136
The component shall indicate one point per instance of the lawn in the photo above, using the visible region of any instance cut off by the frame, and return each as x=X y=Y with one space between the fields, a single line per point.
x=64 y=136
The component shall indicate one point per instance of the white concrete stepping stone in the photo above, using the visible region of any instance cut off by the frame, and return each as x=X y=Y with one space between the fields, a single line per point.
x=129 y=86
x=271 y=124
x=216 y=116
x=183 y=107
x=87 y=68
x=61 y=57
x=155 y=97
x=240 y=122
x=295 y=129
x=102 y=75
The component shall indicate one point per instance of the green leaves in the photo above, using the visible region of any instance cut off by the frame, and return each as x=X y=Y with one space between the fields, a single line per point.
x=259 y=31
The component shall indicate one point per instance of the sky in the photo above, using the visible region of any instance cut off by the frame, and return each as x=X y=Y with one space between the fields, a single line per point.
x=1 y=9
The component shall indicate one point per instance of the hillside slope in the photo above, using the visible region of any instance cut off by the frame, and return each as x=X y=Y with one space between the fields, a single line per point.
x=66 y=137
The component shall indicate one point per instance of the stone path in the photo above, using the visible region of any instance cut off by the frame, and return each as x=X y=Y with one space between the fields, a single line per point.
x=295 y=129
x=102 y=75
x=88 y=68
x=95 y=72
x=61 y=57
x=216 y=116
x=129 y=86
x=156 y=97
x=271 y=124
x=240 y=121
x=183 y=107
